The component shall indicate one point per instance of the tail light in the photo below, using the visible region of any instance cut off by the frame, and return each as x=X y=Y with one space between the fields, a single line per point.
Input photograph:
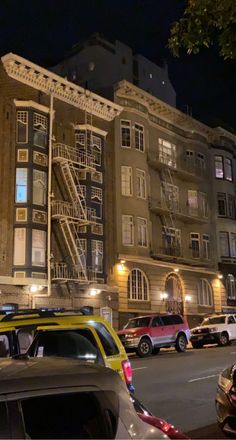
x=127 y=370
x=232 y=393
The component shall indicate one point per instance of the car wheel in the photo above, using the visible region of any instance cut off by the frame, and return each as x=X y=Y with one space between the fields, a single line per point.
x=181 y=343
x=156 y=350
x=144 y=347
x=197 y=344
x=224 y=339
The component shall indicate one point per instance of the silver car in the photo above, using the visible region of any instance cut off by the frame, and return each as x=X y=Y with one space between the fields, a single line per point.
x=65 y=398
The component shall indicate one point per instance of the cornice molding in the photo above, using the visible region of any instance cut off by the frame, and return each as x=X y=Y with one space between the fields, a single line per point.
x=47 y=82
x=91 y=128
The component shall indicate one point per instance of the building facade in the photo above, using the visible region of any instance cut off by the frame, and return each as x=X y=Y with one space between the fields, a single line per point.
x=53 y=144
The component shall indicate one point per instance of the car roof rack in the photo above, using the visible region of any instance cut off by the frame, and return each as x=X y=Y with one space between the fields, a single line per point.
x=45 y=313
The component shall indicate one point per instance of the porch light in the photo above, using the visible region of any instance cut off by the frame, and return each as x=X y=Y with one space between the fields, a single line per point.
x=176 y=270
x=188 y=298
x=219 y=276
x=35 y=288
x=164 y=295
x=94 y=292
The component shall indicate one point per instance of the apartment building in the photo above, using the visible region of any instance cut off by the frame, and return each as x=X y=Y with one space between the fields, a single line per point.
x=53 y=145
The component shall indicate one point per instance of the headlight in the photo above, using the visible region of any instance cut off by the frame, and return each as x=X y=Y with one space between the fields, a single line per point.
x=213 y=329
x=131 y=335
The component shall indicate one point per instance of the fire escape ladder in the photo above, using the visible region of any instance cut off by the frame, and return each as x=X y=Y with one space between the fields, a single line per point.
x=76 y=250
x=70 y=174
x=168 y=220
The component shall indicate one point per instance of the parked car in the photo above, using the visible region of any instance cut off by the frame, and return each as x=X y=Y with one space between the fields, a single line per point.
x=214 y=329
x=161 y=424
x=51 y=398
x=17 y=332
x=226 y=401
x=147 y=334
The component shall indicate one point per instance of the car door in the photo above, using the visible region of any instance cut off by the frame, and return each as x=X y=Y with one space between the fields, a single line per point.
x=169 y=329
x=157 y=331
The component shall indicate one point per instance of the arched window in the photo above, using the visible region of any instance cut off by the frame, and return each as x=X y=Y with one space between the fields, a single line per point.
x=137 y=288
x=205 y=297
x=230 y=286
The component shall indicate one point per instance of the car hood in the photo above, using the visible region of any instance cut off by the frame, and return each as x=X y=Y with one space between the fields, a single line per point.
x=131 y=331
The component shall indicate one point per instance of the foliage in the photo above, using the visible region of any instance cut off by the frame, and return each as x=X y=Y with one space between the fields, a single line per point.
x=204 y=23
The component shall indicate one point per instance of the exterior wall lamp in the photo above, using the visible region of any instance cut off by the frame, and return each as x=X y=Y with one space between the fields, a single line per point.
x=188 y=298
x=176 y=270
x=219 y=276
x=94 y=292
x=164 y=295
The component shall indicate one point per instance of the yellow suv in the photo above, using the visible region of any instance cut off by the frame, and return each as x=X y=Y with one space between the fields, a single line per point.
x=21 y=332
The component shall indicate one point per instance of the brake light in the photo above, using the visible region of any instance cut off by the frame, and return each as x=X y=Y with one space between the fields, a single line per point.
x=127 y=370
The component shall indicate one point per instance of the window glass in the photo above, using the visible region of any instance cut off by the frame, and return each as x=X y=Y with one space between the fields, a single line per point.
x=125 y=133
x=224 y=244
x=40 y=126
x=141 y=183
x=231 y=286
x=228 y=169
x=157 y=321
x=39 y=187
x=177 y=319
x=167 y=152
x=139 y=322
x=222 y=205
x=139 y=137
x=142 y=232
x=167 y=320
x=19 y=246
x=231 y=206
x=127 y=230
x=205 y=297
x=170 y=196
x=195 y=244
x=171 y=240
x=106 y=338
x=137 y=286
x=201 y=161
x=38 y=247
x=233 y=244
x=192 y=202
x=219 y=167
x=205 y=246
x=97 y=255
x=21 y=185
x=213 y=320
x=126 y=181
x=5 y=344
x=22 y=127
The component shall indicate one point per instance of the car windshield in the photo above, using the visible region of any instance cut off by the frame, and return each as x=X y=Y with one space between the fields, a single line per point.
x=214 y=320
x=138 y=322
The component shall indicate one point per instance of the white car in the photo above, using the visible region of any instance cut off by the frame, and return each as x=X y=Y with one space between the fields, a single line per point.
x=215 y=329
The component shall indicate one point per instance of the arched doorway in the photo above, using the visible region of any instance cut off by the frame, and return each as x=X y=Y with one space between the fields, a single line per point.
x=174 y=301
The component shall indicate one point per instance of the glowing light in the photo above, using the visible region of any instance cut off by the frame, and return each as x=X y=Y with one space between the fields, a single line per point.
x=164 y=295
x=188 y=298
x=35 y=288
x=122 y=261
x=94 y=292
x=176 y=270
x=220 y=276
x=120 y=267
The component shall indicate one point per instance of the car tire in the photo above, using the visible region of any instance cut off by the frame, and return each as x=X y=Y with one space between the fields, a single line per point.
x=197 y=344
x=144 y=348
x=181 y=343
x=224 y=339
x=156 y=350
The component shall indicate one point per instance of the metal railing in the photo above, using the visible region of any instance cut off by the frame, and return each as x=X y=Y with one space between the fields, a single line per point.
x=60 y=271
x=71 y=154
x=175 y=207
x=193 y=167
x=62 y=209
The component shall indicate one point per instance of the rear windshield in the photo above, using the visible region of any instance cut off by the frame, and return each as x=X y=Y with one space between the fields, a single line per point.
x=138 y=322
x=78 y=343
x=214 y=320
x=82 y=415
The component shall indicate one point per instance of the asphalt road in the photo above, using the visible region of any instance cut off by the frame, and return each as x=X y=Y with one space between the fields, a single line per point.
x=181 y=387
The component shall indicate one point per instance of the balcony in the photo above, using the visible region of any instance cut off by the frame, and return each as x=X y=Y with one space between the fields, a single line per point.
x=174 y=253
x=184 y=168
x=179 y=211
x=74 y=212
x=60 y=272
x=65 y=153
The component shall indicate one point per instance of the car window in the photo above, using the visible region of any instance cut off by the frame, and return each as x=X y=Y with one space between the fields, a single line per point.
x=156 y=321
x=106 y=338
x=177 y=319
x=213 y=320
x=6 y=344
x=231 y=320
x=79 y=343
x=167 y=320
x=25 y=339
x=138 y=322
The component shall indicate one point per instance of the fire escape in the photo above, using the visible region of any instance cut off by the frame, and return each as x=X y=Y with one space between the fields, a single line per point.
x=72 y=214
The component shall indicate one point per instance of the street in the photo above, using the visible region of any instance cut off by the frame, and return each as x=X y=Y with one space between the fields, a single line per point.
x=181 y=387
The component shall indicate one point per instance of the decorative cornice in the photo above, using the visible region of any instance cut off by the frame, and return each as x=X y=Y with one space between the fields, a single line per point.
x=31 y=104
x=170 y=114
x=41 y=79
x=91 y=128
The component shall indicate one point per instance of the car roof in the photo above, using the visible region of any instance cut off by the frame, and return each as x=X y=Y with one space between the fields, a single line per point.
x=29 y=374
x=153 y=315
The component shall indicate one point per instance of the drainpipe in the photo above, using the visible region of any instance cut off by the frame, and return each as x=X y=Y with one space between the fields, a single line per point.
x=49 y=196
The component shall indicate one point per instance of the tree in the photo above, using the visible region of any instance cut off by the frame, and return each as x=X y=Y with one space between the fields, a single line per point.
x=204 y=23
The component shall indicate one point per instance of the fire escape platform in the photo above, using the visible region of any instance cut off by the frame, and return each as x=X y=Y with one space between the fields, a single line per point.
x=183 y=171
x=181 y=213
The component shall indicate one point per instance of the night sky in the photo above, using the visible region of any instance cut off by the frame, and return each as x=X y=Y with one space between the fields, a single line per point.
x=44 y=31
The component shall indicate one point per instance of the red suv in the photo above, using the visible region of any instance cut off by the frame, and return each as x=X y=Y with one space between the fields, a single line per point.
x=147 y=334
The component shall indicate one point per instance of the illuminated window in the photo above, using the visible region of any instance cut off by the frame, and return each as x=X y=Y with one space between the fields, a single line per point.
x=205 y=246
x=141 y=184
x=228 y=169
x=142 y=232
x=205 y=297
x=21 y=185
x=167 y=152
x=22 y=155
x=219 y=167
x=137 y=286
x=126 y=181
x=38 y=247
x=39 y=187
x=97 y=255
x=19 y=246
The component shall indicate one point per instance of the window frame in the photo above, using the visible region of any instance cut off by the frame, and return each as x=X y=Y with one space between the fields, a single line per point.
x=139 y=141
x=131 y=223
x=228 y=243
x=195 y=239
x=229 y=167
x=207 y=294
x=21 y=186
x=25 y=123
x=130 y=285
x=142 y=230
x=141 y=184
x=205 y=247
x=42 y=249
x=222 y=163
x=126 y=181
x=222 y=197
x=128 y=127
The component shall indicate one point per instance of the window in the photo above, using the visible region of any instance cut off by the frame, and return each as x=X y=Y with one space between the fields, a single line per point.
x=170 y=196
x=40 y=125
x=141 y=184
x=107 y=340
x=228 y=169
x=205 y=297
x=39 y=187
x=138 y=289
x=171 y=239
x=22 y=127
x=222 y=204
x=201 y=161
x=167 y=152
x=97 y=255
x=203 y=205
x=195 y=244
x=97 y=149
x=21 y=185
x=127 y=230
x=230 y=286
x=126 y=181
x=233 y=245
x=19 y=246
x=96 y=193
x=231 y=206
x=80 y=139
x=139 y=137
x=142 y=232
x=21 y=214
x=219 y=167
x=38 y=247
x=125 y=133
x=224 y=244
x=22 y=155
x=192 y=202
x=40 y=158
x=189 y=155
x=96 y=176
x=205 y=247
